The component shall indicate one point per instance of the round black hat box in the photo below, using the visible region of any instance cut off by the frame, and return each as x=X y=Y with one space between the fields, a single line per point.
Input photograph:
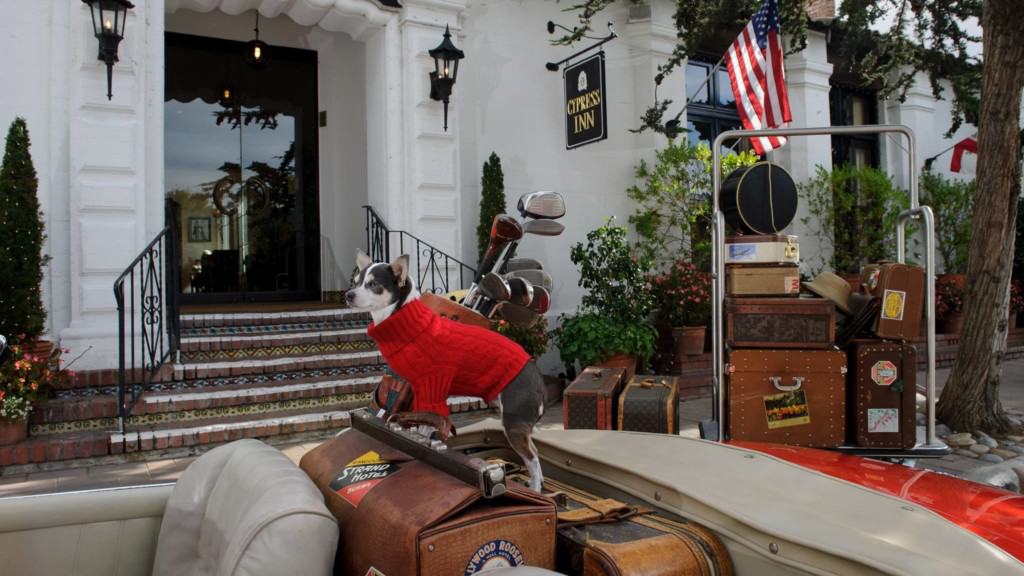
x=758 y=199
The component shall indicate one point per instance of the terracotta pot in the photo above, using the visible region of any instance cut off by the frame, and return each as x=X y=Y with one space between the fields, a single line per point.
x=41 y=348
x=621 y=360
x=952 y=323
x=12 y=431
x=689 y=340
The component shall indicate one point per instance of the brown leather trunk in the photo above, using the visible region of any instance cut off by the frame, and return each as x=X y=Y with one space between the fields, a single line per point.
x=780 y=323
x=391 y=396
x=400 y=516
x=762 y=249
x=593 y=541
x=901 y=288
x=787 y=396
x=882 y=391
x=650 y=404
x=745 y=280
x=591 y=401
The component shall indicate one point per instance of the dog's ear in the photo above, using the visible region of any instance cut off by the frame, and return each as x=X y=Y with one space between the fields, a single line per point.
x=400 y=268
x=362 y=260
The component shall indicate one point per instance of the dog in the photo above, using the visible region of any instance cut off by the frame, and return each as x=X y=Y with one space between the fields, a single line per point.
x=440 y=357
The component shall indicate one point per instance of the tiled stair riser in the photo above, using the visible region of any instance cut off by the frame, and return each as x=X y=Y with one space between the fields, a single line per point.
x=277 y=351
x=263 y=329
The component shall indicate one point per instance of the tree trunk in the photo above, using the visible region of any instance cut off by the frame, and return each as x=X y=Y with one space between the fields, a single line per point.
x=970 y=399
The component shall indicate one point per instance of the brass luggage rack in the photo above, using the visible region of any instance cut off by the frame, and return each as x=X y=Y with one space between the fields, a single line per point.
x=928 y=446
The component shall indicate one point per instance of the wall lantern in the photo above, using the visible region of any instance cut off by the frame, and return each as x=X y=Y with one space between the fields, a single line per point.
x=446 y=68
x=256 y=49
x=108 y=19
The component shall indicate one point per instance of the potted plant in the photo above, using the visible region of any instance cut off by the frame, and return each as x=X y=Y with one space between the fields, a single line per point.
x=683 y=294
x=25 y=379
x=611 y=322
x=533 y=338
x=949 y=302
x=1016 y=304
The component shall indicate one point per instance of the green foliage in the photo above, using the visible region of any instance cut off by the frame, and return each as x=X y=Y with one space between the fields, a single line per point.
x=533 y=338
x=673 y=202
x=953 y=203
x=612 y=317
x=852 y=213
x=492 y=201
x=683 y=294
x=26 y=379
x=21 y=240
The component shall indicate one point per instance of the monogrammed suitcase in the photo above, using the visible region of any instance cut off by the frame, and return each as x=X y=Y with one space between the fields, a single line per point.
x=650 y=404
x=762 y=249
x=882 y=391
x=901 y=288
x=745 y=280
x=787 y=396
x=592 y=400
x=398 y=515
x=780 y=323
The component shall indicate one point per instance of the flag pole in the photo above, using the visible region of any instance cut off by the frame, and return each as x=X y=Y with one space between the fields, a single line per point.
x=711 y=74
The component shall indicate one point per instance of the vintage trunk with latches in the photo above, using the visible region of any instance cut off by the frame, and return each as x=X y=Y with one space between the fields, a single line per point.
x=780 y=323
x=745 y=280
x=591 y=401
x=650 y=404
x=787 y=396
x=762 y=249
x=882 y=393
x=901 y=288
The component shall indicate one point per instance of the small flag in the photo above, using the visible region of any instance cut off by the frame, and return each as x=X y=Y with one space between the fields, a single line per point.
x=969 y=144
x=757 y=76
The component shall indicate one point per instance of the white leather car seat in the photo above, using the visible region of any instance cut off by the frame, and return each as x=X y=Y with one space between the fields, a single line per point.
x=244 y=509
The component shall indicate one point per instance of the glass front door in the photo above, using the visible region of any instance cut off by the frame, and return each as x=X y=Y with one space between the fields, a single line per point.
x=241 y=170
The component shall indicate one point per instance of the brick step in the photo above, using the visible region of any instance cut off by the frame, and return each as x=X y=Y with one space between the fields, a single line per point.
x=202 y=399
x=88 y=444
x=209 y=331
x=220 y=369
x=269 y=348
x=189 y=321
x=248 y=341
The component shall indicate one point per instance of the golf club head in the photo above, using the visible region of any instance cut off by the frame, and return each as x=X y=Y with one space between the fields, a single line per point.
x=505 y=229
x=543 y=227
x=494 y=287
x=542 y=204
x=536 y=277
x=521 y=291
x=541 y=300
x=514 y=264
x=518 y=315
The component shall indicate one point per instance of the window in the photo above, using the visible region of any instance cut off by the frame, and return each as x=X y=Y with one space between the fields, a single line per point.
x=712 y=108
x=854 y=108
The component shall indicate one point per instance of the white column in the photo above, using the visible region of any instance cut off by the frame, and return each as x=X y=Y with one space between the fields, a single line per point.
x=115 y=170
x=917 y=111
x=651 y=35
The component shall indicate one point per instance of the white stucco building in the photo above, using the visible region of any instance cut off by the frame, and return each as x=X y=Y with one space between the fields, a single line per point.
x=347 y=85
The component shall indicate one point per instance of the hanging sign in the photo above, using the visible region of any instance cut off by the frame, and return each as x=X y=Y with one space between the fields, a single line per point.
x=586 y=115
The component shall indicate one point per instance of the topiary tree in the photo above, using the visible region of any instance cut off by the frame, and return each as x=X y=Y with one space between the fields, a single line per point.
x=492 y=201
x=21 y=239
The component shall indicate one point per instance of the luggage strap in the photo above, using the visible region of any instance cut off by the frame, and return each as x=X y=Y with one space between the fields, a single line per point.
x=599 y=512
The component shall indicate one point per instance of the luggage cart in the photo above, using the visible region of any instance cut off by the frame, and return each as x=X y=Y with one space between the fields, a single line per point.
x=928 y=446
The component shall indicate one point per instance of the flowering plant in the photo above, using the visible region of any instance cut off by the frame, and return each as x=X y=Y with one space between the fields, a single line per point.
x=25 y=378
x=949 y=295
x=533 y=339
x=1016 y=298
x=683 y=293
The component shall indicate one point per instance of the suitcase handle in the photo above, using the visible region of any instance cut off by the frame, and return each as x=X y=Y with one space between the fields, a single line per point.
x=776 y=381
x=651 y=382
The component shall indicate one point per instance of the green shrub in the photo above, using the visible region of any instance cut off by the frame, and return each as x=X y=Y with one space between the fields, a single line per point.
x=492 y=201
x=953 y=204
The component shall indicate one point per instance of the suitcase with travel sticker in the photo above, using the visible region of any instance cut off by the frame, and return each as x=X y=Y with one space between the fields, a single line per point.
x=787 y=396
x=762 y=249
x=882 y=394
x=650 y=404
x=399 y=515
x=745 y=280
x=591 y=402
x=780 y=323
x=901 y=288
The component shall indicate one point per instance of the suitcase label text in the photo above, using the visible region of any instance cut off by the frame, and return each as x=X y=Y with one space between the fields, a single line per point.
x=359 y=476
x=787 y=409
x=494 y=554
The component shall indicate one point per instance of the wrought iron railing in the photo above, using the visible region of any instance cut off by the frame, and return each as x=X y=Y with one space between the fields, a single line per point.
x=147 y=318
x=435 y=271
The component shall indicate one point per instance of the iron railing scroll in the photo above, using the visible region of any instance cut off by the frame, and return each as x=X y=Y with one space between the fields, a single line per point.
x=435 y=271
x=149 y=332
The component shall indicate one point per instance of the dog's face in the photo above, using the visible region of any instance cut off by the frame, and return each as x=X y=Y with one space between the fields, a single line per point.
x=379 y=285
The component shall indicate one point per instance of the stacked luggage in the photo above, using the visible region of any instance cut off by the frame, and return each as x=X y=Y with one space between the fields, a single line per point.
x=607 y=398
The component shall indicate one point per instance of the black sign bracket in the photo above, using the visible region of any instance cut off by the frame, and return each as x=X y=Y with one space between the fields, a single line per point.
x=554 y=66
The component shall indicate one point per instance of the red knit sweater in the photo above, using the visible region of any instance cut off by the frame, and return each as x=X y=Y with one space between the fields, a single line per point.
x=440 y=358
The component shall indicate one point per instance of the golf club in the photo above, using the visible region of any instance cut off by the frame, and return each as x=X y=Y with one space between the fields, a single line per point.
x=536 y=277
x=542 y=204
x=521 y=291
x=517 y=315
x=494 y=287
x=543 y=227
x=514 y=264
x=541 y=300
x=505 y=229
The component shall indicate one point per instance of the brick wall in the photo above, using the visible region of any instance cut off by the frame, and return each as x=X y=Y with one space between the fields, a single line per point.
x=821 y=9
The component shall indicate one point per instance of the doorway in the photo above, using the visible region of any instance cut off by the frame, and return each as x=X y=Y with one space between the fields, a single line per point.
x=240 y=156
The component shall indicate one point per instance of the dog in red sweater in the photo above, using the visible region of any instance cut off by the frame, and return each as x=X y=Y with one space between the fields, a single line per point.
x=441 y=358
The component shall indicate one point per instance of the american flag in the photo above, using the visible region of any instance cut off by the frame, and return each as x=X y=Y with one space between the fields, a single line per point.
x=757 y=77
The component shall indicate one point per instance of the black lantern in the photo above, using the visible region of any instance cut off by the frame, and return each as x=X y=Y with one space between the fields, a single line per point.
x=108 y=19
x=256 y=49
x=446 y=68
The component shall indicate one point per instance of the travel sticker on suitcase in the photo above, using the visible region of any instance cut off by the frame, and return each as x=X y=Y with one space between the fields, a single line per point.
x=787 y=409
x=883 y=420
x=359 y=476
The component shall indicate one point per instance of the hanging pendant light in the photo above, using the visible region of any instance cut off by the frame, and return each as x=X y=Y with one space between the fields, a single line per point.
x=256 y=49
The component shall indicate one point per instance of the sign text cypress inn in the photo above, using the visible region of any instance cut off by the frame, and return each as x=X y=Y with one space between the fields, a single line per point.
x=586 y=115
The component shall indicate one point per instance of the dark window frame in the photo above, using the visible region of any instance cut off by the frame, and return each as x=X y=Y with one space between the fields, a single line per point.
x=841 y=97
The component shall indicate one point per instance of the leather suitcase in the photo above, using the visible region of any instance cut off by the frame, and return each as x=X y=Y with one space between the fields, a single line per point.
x=591 y=401
x=901 y=288
x=391 y=396
x=744 y=280
x=400 y=516
x=605 y=537
x=762 y=249
x=882 y=394
x=787 y=396
x=650 y=404
x=780 y=323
